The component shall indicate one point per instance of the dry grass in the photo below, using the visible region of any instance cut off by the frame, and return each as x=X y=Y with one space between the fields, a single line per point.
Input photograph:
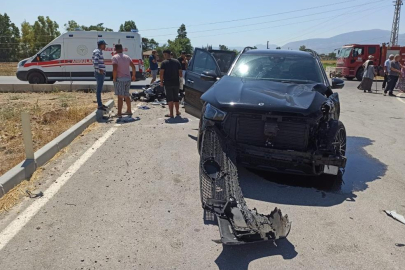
x=51 y=115
x=8 y=69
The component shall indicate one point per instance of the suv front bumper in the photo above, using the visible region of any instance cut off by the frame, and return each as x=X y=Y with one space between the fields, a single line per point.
x=284 y=161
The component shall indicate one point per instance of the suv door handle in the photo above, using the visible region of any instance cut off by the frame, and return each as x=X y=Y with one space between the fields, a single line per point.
x=190 y=81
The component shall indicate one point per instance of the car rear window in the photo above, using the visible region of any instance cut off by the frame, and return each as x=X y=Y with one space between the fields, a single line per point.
x=277 y=67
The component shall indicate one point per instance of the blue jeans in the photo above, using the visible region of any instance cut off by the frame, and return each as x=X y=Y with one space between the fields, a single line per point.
x=100 y=82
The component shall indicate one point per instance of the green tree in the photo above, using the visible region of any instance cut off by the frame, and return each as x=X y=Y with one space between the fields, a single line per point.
x=149 y=44
x=223 y=48
x=181 y=42
x=181 y=32
x=44 y=30
x=9 y=39
x=27 y=40
x=73 y=25
x=127 y=26
x=332 y=56
x=302 y=48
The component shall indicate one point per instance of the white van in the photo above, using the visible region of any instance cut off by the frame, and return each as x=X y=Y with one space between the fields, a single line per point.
x=69 y=57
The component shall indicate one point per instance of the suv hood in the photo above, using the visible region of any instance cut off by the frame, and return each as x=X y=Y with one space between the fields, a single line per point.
x=233 y=93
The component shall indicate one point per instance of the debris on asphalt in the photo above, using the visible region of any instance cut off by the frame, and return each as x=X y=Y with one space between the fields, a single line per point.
x=33 y=195
x=127 y=119
x=143 y=108
x=395 y=215
x=222 y=195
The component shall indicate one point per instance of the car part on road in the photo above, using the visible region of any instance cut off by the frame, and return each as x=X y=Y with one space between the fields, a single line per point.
x=395 y=215
x=221 y=194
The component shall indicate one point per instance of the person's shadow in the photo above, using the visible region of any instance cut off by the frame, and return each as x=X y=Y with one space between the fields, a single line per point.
x=176 y=120
x=239 y=257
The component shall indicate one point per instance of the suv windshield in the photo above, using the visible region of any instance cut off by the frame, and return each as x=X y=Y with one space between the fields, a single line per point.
x=288 y=68
x=344 y=53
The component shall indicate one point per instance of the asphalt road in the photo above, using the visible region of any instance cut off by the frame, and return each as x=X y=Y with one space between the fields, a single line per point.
x=132 y=202
x=14 y=80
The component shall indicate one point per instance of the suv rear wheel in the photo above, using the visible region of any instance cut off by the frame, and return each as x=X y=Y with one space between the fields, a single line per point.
x=36 y=78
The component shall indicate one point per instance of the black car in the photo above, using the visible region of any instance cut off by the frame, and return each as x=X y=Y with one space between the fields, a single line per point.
x=276 y=108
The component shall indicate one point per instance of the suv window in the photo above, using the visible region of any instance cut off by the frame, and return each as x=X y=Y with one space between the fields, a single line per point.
x=51 y=53
x=203 y=61
x=278 y=67
x=224 y=60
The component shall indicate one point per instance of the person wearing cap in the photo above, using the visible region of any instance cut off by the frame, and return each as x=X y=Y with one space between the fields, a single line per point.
x=122 y=78
x=170 y=76
x=387 y=70
x=99 y=71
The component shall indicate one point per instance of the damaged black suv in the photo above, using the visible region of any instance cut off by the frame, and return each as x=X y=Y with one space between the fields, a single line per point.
x=276 y=108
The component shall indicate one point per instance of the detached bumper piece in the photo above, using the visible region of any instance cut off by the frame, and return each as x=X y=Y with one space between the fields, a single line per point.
x=221 y=195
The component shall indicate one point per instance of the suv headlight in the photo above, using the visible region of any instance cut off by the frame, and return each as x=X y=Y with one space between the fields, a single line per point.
x=213 y=113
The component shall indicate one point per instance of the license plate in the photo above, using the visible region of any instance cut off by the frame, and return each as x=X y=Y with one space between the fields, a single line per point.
x=330 y=169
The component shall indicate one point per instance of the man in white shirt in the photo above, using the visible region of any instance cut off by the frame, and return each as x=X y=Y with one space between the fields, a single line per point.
x=387 y=70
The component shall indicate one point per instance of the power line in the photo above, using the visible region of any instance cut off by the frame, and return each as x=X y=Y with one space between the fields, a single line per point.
x=307 y=15
x=256 y=17
x=263 y=28
x=317 y=25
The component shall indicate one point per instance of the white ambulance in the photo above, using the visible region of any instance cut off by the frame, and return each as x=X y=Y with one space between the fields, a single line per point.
x=69 y=57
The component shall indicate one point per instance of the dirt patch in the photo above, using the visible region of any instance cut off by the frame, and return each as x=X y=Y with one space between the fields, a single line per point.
x=51 y=115
x=8 y=69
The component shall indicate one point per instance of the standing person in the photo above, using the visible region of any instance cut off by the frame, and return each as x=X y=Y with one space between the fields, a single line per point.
x=393 y=75
x=401 y=80
x=184 y=63
x=368 y=77
x=99 y=71
x=170 y=75
x=153 y=65
x=387 y=70
x=188 y=57
x=122 y=78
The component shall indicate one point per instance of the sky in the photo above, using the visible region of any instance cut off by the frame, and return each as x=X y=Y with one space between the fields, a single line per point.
x=231 y=23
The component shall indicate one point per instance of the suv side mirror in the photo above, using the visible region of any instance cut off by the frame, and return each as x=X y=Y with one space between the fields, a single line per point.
x=337 y=83
x=210 y=76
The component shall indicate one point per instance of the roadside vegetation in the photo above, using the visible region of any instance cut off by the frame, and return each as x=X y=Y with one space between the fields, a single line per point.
x=51 y=115
x=8 y=69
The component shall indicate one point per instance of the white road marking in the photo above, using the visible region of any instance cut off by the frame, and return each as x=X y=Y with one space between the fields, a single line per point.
x=16 y=225
x=400 y=99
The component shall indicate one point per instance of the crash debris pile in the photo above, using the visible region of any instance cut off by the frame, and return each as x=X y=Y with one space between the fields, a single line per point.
x=221 y=194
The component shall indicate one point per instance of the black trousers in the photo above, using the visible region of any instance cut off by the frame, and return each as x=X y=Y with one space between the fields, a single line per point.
x=392 y=81
x=385 y=81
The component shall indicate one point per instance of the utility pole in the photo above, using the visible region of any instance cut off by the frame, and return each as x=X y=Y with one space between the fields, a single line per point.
x=395 y=23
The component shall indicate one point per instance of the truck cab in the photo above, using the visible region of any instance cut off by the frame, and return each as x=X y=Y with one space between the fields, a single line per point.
x=350 y=59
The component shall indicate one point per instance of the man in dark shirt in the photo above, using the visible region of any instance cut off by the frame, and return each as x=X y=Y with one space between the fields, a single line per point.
x=153 y=65
x=393 y=75
x=183 y=61
x=170 y=76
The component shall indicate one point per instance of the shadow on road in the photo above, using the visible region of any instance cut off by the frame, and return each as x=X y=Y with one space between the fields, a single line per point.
x=276 y=188
x=176 y=120
x=192 y=137
x=239 y=257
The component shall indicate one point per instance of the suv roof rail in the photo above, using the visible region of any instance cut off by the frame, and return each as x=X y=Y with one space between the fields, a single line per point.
x=247 y=49
x=312 y=52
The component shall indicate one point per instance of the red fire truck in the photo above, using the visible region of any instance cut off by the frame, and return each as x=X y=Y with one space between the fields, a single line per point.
x=350 y=59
